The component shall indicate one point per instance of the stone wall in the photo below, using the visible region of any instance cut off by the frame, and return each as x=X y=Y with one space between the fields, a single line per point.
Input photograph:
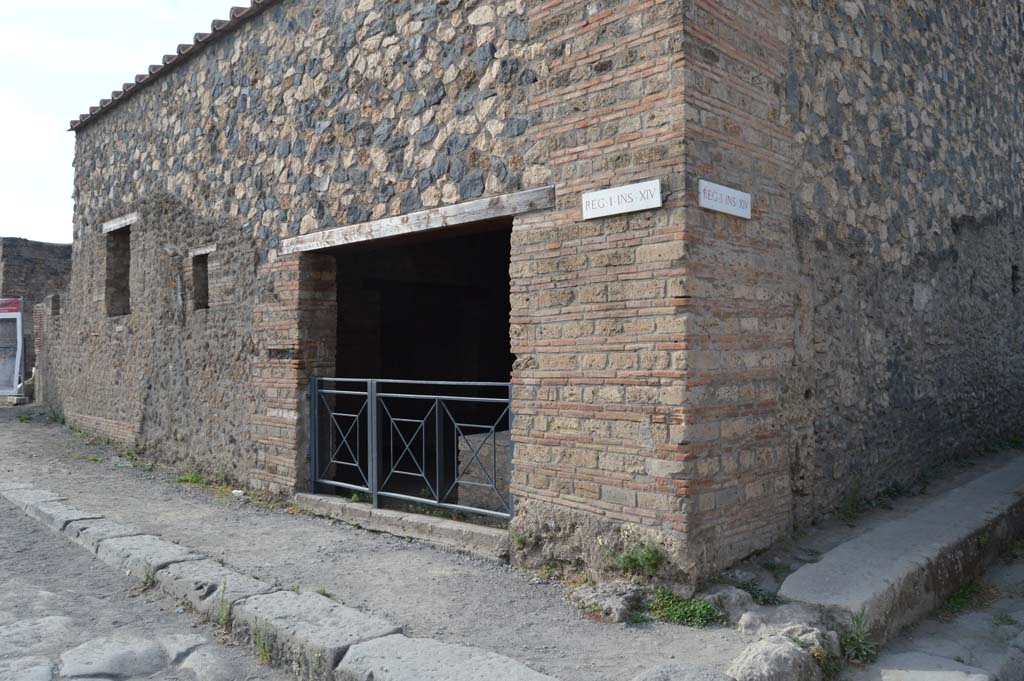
x=307 y=117
x=682 y=378
x=32 y=270
x=860 y=330
x=908 y=205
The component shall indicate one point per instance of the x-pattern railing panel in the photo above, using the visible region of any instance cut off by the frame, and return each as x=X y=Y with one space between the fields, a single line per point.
x=421 y=441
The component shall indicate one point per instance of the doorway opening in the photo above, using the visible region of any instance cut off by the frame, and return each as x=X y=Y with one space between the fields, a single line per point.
x=421 y=409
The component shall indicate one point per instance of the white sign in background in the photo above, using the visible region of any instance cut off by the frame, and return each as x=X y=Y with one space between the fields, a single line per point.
x=724 y=199
x=618 y=200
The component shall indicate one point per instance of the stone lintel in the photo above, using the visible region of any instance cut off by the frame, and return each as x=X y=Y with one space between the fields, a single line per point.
x=120 y=223
x=504 y=205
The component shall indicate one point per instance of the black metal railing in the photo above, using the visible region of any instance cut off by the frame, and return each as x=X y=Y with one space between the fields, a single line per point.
x=441 y=443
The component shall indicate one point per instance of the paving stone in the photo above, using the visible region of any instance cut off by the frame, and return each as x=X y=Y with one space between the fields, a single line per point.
x=117 y=657
x=305 y=630
x=23 y=497
x=180 y=646
x=141 y=553
x=208 y=666
x=57 y=514
x=89 y=533
x=398 y=658
x=920 y=667
x=26 y=669
x=19 y=638
x=206 y=585
x=681 y=672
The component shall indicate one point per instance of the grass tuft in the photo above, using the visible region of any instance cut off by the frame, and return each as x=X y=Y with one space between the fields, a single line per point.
x=1004 y=620
x=858 y=646
x=760 y=595
x=645 y=559
x=191 y=477
x=692 y=612
x=224 y=610
x=970 y=596
x=148 y=578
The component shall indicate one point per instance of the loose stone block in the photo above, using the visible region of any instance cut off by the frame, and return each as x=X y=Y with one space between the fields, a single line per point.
x=56 y=514
x=208 y=586
x=304 y=631
x=142 y=554
x=397 y=658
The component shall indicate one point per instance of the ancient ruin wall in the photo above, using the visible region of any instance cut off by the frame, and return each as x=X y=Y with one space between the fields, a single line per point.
x=32 y=270
x=860 y=328
x=908 y=211
x=309 y=116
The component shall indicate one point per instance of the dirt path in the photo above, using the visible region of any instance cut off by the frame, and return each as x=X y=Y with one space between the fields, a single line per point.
x=431 y=592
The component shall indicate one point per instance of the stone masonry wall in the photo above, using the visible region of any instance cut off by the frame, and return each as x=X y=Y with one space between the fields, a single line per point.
x=682 y=377
x=32 y=270
x=311 y=115
x=908 y=206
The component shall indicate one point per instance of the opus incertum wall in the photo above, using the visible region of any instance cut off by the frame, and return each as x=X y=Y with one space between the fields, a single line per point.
x=32 y=270
x=683 y=375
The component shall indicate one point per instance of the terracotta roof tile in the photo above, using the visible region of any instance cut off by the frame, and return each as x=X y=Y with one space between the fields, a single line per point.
x=219 y=27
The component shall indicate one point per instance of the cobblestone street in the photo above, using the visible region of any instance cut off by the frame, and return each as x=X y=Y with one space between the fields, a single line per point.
x=65 y=615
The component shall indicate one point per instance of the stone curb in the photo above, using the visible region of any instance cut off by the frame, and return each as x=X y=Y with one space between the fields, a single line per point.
x=477 y=540
x=313 y=636
x=898 y=572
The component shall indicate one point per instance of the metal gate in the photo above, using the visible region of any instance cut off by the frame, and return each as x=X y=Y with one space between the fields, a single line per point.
x=445 y=444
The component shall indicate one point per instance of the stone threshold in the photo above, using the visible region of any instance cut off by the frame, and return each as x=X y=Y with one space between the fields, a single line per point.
x=477 y=540
x=895 y=574
x=312 y=635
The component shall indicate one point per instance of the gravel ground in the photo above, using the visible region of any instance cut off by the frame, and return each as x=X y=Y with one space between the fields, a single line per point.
x=432 y=593
x=59 y=607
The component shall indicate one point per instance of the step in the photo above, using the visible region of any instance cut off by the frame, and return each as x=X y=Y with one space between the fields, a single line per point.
x=898 y=572
x=477 y=540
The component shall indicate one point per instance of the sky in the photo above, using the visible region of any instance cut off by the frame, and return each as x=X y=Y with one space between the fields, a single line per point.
x=58 y=58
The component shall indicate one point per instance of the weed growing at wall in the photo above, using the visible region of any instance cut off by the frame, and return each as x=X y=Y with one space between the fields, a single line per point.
x=970 y=596
x=644 y=560
x=858 y=646
x=191 y=477
x=692 y=612
x=760 y=595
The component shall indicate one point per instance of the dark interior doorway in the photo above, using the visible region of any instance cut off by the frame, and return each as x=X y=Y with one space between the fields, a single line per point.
x=431 y=309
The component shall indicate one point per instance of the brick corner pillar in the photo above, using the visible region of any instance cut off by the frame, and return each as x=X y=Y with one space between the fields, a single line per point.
x=741 y=282
x=296 y=329
x=598 y=336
